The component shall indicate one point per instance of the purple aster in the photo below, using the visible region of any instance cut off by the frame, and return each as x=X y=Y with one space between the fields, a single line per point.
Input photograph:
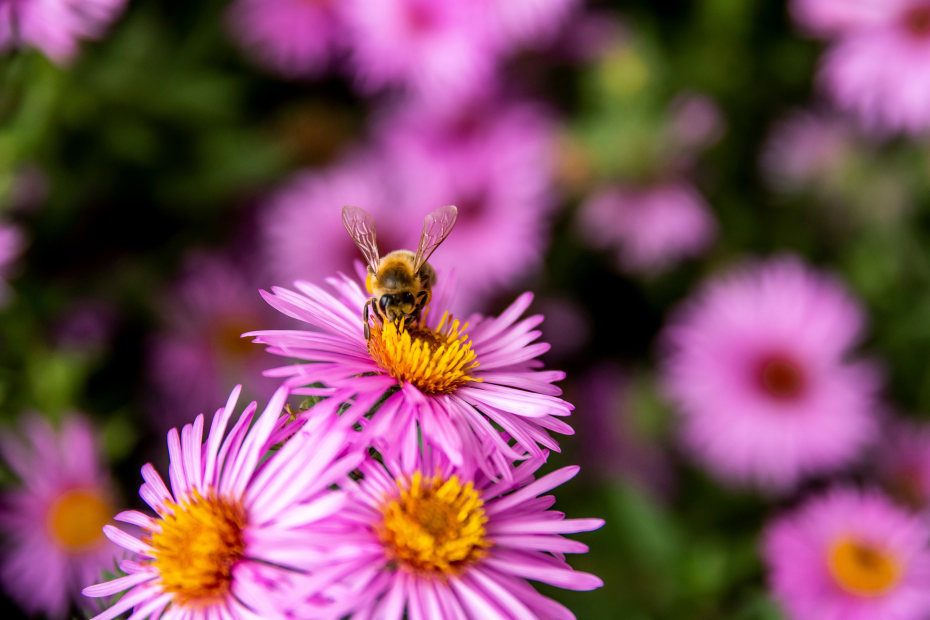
x=307 y=207
x=439 y=51
x=55 y=26
x=867 y=38
x=494 y=160
x=437 y=540
x=296 y=38
x=451 y=382
x=53 y=523
x=759 y=366
x=849 y=555
x=200 y=351
x=225 y=540
x=649 y=229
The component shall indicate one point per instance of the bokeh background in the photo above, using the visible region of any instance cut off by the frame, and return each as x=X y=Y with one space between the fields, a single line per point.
x=611 y=157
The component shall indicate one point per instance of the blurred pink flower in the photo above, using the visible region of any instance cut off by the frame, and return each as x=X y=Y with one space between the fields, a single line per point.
x=199 y=353
x=86 y=326
x=849 y=555
x=12 y=243
x=513 y=23
x=803 y=148
x=903 y=464
x=869 y=37
x=649 y=229
x=439 y=51
x=53 y=523
x=492 y=159
x=302 y=231
x=758 y=365
x=55 y=26
x=695 y=122
x=296 y=38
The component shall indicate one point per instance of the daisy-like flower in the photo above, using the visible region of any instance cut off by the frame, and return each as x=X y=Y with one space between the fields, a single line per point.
x=55 y=26
x=868 y=37
x=903 y=464
x=53 y=523
x=224 y=541
x=649 y=229
x=450 y=381
x=435 y=540
x=199 y=351
x=296 y=38
x=759 y=366
x=804 y=149
x=439 y=51
x=849 y=555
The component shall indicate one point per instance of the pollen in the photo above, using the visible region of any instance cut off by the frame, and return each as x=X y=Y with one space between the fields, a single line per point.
x=198 y=546
x=435 y=361
x=435 y=527
x=863 y=568
x=76 y=518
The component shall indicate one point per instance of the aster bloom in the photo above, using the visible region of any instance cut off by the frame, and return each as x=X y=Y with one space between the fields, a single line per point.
x=438 y=51
x=649 y=229
x=903 y=464
x=436 y=540
x=54 y=521
x=758 y=364
x=296 y=38
x=450 y=381
x=867 y=38
x=55 y=26
x=225 y=540
x=522 y=22
x=200 y=351
x=849 y=555
x=493 y=158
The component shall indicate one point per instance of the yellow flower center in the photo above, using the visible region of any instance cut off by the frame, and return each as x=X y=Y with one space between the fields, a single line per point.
x=435 y=527
x=76 y=518
x=435 y=361
x=199 y=544
x=863 y=568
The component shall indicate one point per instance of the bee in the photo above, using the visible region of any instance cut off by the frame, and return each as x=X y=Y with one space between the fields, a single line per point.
x=400 y=283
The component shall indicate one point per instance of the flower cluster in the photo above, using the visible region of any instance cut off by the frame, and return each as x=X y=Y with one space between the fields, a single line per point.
x=406 y=485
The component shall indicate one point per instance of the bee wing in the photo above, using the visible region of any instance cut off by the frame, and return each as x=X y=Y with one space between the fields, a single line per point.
x=436 y=227
x=361 y=227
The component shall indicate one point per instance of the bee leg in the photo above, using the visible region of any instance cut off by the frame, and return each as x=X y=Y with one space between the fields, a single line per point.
x=365 y=318
x=423 y=298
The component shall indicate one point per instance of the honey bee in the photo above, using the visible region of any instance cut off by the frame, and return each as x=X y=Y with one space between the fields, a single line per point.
x=400 y=283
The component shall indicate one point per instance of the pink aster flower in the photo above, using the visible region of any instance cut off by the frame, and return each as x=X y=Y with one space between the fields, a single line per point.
x=903 y=464
x=759 y=366
x=649 y=229
x=308 y=208
x=296 y=38
x=849 y=555
x=54 y=521
x=493 y=158
x=868 y=38
x=525 y=22
x=225 y=541
x=436 y=540
x=55 y=26
x=200 y=351
x=452 y=382
x=439 y=51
